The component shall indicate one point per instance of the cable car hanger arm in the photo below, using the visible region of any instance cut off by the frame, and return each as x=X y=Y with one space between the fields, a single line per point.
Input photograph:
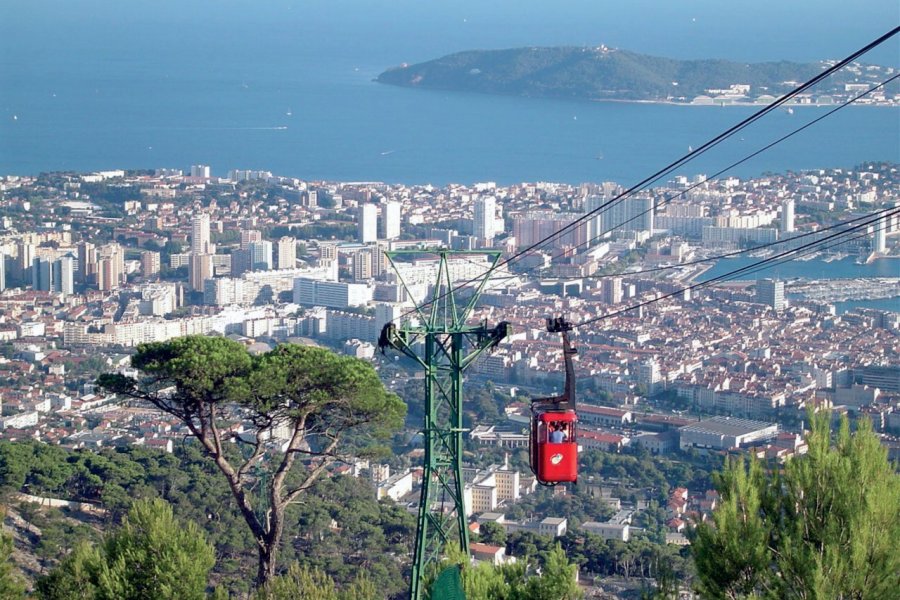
x=566 y=400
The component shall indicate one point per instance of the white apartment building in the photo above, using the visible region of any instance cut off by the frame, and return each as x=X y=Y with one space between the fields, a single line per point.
x=200 y=242
x=367 y=225
x=389 y=224
x=608 y=531
x=331 y=294
x=395 y=487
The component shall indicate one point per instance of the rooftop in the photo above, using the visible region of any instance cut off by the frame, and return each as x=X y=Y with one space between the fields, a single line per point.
x=726 y=426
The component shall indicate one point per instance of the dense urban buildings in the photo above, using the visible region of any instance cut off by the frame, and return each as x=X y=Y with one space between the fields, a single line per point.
x=667 y=365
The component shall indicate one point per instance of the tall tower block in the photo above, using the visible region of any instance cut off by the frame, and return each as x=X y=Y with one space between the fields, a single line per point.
x=367 y=217
x=787 y=216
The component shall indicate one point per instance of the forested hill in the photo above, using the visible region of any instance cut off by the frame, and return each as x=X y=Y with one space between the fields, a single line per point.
x=610 y=74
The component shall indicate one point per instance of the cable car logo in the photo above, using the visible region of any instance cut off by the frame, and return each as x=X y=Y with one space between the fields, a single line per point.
x=556 y=458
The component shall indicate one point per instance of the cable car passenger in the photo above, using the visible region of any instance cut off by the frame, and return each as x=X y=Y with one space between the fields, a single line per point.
x=557 y=436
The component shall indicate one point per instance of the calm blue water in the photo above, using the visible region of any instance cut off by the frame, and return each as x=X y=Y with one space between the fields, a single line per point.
x=890 y=304
x=810 y=269
x=817 y=269
x=95 y=85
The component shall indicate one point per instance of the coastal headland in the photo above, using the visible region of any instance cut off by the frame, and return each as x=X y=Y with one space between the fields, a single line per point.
x=602 y=73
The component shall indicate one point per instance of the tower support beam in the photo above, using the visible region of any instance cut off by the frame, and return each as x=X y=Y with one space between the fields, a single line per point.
x=443 y=344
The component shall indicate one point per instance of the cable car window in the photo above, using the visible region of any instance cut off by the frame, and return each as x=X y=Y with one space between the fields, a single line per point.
x=557 y=433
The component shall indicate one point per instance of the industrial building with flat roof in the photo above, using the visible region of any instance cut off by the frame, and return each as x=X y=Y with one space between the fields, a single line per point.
x=722 y=433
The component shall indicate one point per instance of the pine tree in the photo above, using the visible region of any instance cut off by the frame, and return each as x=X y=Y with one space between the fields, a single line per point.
x=150 y=556
x=329 y=407
x=302 y=583
x=826 y=528
x=557 y=580
x=733 y=555
x=11 y=587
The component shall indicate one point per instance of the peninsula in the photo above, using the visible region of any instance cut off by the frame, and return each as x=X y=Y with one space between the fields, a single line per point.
x=604 y=73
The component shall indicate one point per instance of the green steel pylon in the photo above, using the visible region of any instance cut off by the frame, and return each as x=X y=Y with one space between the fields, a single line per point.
x=448 y=346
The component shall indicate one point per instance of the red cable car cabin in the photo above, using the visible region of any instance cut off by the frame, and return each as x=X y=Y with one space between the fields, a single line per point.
x=554 y=446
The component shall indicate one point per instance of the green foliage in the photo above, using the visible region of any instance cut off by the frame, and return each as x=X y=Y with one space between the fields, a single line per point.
x=557 y=580
x=492 y=533
x=369 y=536
x=303 y=583
x=326 y=230
x=328 y=392
x=515 y=581
x=152 y=555
x=203 y=369
x=11 y=587
x=76 y=577
x=732 y=556
x=826 y=528
x=325 y=406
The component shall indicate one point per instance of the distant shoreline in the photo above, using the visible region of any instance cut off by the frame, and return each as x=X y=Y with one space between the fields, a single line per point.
x=736 y=104
x=786 y=105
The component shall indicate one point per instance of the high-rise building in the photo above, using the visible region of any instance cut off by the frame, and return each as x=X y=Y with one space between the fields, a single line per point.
x=250 y=235
x=287 y=253
x=367 y=217
x=328 y=251
x=787 y=216
x=240 y=262
x=107 y=274
x=200 y=233
x=64 y=274
x=770 y=292
x=110 y=266
x=362 y=265
x=87 y=262
x=483 y=220
x=261 y=255
x=149 y=263
x=612 y=290
x=379 y=259
x=628 y=214
x=42 y=274
x=880 y=242
x=201 y=171
x=200 y=269
x=649 y=376
x=26 y=253
x=2 y=271
x=389 y=225
x=595 y=222
x=533 y=226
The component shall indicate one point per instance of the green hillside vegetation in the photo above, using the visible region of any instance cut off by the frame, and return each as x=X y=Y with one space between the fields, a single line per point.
x=597 y=74
x=339 y=528
x=328 y=407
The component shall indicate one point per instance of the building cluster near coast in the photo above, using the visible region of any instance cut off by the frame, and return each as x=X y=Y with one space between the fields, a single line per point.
x=91 y=265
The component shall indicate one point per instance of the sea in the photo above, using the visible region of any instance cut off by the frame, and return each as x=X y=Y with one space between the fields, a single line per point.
x=846 y=268
x=287 y=86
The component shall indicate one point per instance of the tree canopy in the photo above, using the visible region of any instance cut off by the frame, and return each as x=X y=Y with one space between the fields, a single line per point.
x=556 y=579
x=255 y=416
x=827 y=527
x=151 y=555
x=11 y=587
